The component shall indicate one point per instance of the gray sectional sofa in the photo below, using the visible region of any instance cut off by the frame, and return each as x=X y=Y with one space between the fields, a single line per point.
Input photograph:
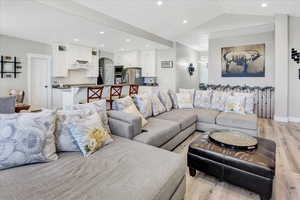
x=169 y=129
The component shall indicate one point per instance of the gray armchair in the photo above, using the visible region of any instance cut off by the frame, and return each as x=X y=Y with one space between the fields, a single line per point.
x=7 y=104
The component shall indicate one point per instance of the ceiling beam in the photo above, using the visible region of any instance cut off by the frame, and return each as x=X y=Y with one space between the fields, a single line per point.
x=76 y=9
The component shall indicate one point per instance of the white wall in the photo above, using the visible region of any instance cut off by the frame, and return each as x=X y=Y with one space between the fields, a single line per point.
x=294 y=82
x=214 y=59
x=185 y=56
x=10 y=46
x=166 y=77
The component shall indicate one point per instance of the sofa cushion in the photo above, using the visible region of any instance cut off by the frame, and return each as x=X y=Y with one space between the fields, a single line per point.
x=248 y=121
x=185 y=117
x=158 y=131
x=125 y=169
x=206 y=115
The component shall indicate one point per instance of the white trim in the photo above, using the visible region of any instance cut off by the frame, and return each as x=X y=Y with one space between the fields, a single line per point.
x=294 y=119
x=29 y=57
x=281 y=119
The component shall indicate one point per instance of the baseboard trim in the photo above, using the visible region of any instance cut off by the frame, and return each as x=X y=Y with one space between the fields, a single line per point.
x=294 y=119
x=281 y=119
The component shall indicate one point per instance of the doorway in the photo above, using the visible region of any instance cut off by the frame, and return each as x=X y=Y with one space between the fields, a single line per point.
x=39 y=81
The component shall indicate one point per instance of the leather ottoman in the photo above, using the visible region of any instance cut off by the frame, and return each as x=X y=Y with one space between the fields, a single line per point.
x=253 y=170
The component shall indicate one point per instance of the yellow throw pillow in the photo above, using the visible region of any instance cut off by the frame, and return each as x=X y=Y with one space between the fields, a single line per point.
x=133 y=110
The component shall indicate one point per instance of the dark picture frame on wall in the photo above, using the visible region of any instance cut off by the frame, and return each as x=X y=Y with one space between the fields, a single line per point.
x=243 y=61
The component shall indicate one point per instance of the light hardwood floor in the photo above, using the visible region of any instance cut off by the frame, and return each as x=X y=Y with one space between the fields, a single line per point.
x=287 y=180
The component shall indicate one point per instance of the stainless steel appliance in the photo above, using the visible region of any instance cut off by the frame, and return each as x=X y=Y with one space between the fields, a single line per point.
x=132 y=75
x=150 y=81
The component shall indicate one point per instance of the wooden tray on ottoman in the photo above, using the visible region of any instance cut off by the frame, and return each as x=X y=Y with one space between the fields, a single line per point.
x=252 y=169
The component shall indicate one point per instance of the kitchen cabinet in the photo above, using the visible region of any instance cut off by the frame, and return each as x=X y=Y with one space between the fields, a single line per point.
x=127 y=59
x=57 y=98
x=76 y=52
x=148 y=63
x=60 y=63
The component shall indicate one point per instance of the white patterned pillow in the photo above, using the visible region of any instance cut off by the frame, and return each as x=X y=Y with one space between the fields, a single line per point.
x=173 y=98
x=184 y=100
x=165 y=99
x=132 y=109
x=122 y=103
x=90 y=135
x=202 y=99
x=64 y=138
x=144 y=104
x=157 y=106
x=190 y=91
x=218 y=101
x=235 y=104
x=249 y=101
x=94 y=107
x=27 y=138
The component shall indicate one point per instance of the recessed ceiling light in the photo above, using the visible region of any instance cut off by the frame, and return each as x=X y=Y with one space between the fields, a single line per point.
x=128 y=40
x=101 y=45
x=185 y=21
x=122 y=49
x=76 y=40
x=159 y=3
x=264 y=5
x=101 y=32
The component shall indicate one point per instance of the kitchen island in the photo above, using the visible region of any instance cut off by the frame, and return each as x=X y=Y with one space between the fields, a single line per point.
x=72 y=94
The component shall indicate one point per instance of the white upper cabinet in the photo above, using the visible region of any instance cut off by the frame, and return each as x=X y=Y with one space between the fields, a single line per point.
x=60 y=63
x=76 y=52
x=148 y=63
x=127 y=59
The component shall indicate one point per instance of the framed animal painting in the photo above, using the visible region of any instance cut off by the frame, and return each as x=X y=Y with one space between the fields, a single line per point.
x=243 y=61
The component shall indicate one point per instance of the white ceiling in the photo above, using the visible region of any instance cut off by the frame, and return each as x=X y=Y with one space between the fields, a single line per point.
x=31 y=20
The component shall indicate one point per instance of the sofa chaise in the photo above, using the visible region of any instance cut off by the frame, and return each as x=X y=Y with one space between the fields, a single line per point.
x=169 y=129
x=124 y=169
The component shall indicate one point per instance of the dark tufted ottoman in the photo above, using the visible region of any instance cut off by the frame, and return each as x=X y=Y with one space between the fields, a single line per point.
x=253 y=170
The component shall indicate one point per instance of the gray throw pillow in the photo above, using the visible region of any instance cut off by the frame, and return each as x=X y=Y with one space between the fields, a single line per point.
x=144 y=104
x=157 y=106
x=122 y=103
x=166 y=100
x=27 y=138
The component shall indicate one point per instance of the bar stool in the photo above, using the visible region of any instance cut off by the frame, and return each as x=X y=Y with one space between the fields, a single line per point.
x=115 y=93
x=133 y=89
x=94 y=93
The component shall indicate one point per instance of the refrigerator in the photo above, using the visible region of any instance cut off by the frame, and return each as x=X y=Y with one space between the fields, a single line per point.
x=132 y=75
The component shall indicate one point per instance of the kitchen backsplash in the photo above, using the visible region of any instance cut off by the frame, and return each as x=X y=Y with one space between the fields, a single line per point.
x=75 y=77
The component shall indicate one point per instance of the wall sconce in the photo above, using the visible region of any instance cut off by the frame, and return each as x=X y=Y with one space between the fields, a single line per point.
x=191 y=69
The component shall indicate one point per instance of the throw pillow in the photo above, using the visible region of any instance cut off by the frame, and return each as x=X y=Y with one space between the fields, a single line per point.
x=27 y=138
x=94 y=107
x=202 y=99
x=235 y=104
x=218 y=101
x=173 y=98
x=133 y=110
x=190 y=91
x=249 y=101
x=184 y=100
x=90 y=135
x=122 y=103
x=144 y=104
x=166 y=100
x=157 y=106
x=64 y=138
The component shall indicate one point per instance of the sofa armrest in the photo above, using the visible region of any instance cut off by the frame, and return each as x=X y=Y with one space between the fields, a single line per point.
x=124 y=124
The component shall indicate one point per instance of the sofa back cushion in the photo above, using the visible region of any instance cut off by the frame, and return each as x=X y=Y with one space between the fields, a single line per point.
x=190 y=91
x=202 y=99
x=172 y=94
x=144 y=104
x=165 y=99
x=219 y=100
x=157 y=106
x=27 y=138
x=90 y=135
x=184 y=100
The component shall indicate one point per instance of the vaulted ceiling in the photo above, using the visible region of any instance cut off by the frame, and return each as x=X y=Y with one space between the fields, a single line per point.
x=30 y=19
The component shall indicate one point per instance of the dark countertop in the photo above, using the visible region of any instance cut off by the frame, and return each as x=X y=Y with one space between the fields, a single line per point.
x=68 y=86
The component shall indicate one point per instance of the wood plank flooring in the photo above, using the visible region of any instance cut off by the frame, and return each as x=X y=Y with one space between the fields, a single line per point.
x=287 y=180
